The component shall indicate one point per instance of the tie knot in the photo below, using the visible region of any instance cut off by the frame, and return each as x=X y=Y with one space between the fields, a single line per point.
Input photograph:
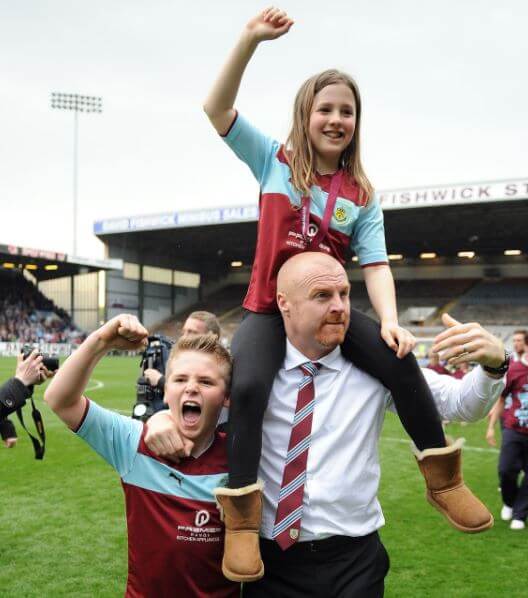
x=310 y=368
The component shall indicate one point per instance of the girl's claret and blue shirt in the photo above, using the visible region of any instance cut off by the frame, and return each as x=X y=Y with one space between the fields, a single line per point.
x=353 y=225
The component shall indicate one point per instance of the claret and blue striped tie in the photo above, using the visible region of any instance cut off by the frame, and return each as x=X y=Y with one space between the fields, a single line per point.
x=289 y=508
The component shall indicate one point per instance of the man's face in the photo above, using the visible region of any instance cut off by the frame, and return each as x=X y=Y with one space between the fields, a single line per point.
x=318 y=309
x=195 y=391
x=193 y=326
x=519 y=345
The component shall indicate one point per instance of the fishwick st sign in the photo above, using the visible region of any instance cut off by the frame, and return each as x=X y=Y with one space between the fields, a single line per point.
x=454 y=194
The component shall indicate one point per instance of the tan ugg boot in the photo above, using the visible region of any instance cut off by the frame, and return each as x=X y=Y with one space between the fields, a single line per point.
x=447 y=492
x=241 y=511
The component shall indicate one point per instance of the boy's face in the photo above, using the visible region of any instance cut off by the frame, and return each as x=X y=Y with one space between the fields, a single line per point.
x=195 y=391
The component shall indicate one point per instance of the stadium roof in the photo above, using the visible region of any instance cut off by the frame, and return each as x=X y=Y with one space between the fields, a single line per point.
x=486 y=217
x=45 y=265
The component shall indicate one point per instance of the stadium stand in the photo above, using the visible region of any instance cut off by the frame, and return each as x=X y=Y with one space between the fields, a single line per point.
x=447 y=243
x=226 y=303
x=27 y=316
x=501 y=302
x=417 y=299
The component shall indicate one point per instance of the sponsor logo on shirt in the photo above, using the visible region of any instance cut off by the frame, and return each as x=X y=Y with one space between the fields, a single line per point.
x=178 y=478
x=522 y=413
x=202 y=518
x=200 y=532
x=312 y=229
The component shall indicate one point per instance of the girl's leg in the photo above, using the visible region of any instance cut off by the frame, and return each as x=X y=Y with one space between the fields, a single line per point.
x=258 y=349
x=412 y=397
x=440 y=464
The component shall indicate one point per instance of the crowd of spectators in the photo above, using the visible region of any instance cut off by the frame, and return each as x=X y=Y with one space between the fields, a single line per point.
x=27 y=316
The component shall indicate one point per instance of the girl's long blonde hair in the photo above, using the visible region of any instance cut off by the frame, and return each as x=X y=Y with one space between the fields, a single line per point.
x=300 y=152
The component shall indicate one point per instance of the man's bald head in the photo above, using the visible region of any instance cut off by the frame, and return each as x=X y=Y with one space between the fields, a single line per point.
x=313 y=297
x=303 y=267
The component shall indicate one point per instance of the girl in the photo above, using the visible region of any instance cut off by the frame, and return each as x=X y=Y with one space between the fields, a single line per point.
x=315 y=196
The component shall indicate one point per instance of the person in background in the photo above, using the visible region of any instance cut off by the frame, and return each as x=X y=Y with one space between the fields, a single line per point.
x=8 y=432
x=513 y=456
x=201 y=322
x=461 y=370
x=519 y=341
x=435 y=365
x=519 y=344
x=14 y=392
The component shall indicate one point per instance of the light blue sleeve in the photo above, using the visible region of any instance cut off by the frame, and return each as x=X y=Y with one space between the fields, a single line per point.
x=368 y=236
x=251 y=146
x=111 y=435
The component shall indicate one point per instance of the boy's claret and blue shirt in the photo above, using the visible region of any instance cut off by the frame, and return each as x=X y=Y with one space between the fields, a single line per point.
x=353 y=224
x=175 y=536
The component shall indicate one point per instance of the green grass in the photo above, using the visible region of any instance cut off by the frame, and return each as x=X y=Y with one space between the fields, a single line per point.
x=63 y=531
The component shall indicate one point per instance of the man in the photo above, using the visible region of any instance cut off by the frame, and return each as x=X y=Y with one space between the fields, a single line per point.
x=16 y=390
x=461 y=370
x=435 y=365
x=513 y=457
x=519 y=341
x=340 y=514
x=174 y=530
x=201 y=322
x=329 y=545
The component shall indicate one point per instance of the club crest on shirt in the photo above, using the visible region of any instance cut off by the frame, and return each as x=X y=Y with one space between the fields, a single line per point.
x=340 y=215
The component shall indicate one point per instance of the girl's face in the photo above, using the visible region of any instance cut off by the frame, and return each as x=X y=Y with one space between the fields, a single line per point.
x=332 y=124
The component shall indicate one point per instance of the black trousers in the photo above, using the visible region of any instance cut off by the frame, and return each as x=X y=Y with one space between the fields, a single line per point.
x=513 y=460
x=258 y=350
x=339 y=567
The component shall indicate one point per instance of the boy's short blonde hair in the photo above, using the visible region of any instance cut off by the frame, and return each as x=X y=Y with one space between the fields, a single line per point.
x=204 y=343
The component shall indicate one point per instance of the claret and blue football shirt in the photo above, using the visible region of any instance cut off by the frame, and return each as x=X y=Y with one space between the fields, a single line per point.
x=353 y=224
x=175 y=536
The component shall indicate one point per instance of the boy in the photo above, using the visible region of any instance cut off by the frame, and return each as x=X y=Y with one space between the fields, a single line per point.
x=175 y=538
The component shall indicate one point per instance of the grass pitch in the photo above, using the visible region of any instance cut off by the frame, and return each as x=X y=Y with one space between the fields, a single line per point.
x=63 y=529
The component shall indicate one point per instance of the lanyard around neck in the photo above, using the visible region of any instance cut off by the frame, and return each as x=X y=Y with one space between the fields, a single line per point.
x=335 y=185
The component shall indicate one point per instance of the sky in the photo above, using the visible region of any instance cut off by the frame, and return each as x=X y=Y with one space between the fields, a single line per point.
x=444 y=92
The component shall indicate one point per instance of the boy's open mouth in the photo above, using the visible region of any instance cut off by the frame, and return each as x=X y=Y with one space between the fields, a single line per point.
x=191 y=412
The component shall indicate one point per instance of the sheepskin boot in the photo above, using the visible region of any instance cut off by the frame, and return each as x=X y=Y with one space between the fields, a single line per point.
x=241 y=511
x=446 y=490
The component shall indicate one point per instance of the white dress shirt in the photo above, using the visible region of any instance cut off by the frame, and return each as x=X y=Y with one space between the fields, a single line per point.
x=343 y=468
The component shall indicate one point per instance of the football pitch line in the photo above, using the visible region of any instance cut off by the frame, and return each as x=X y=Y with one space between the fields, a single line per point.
x=96 y=385
x=466 y=447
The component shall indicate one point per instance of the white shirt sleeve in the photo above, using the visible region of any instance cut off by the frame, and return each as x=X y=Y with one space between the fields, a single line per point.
x=468 y=399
